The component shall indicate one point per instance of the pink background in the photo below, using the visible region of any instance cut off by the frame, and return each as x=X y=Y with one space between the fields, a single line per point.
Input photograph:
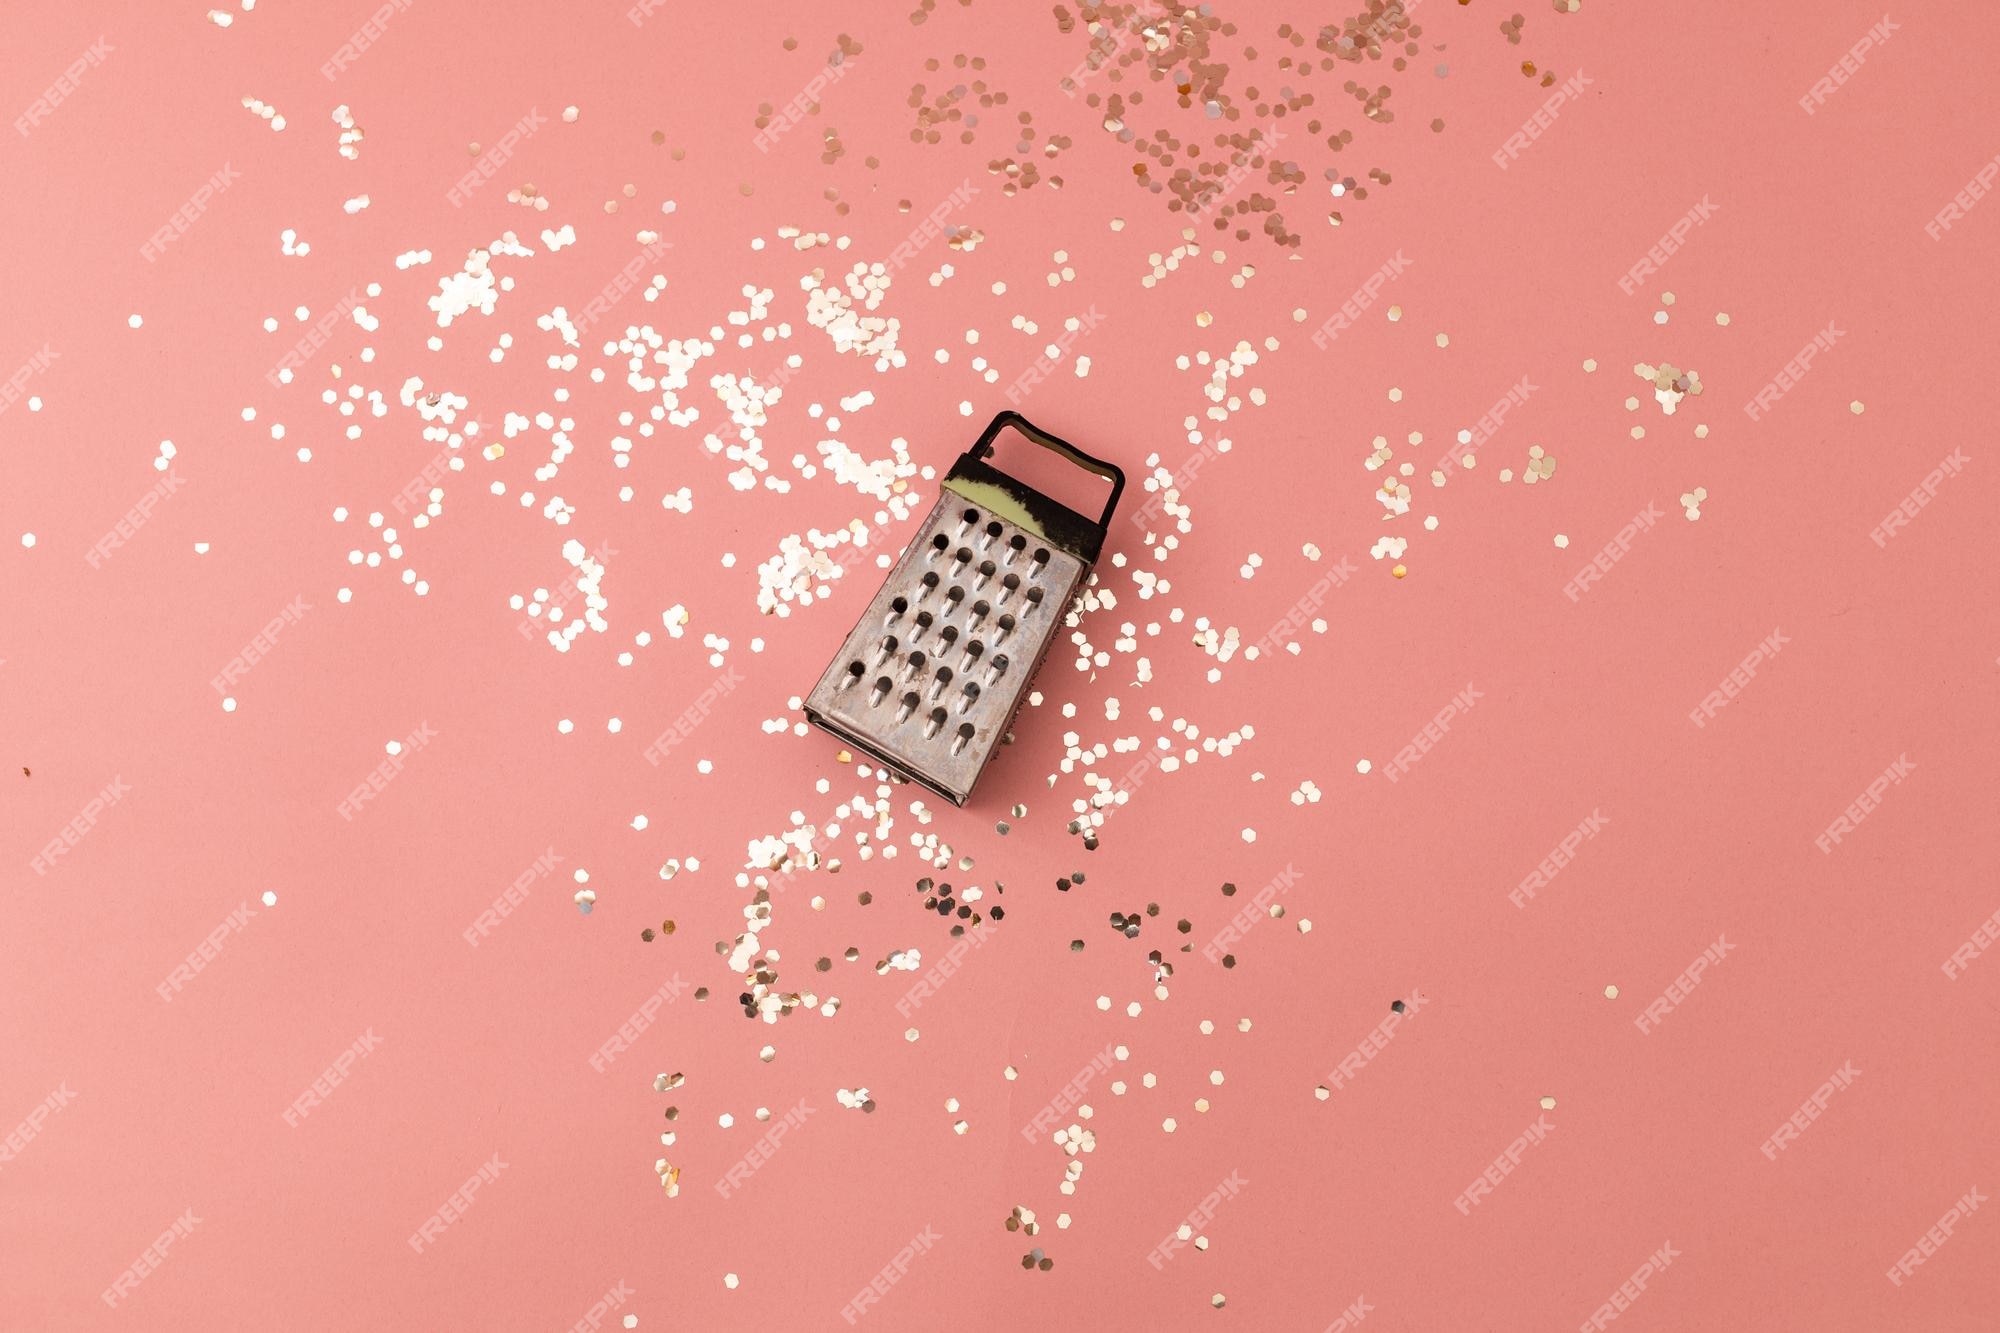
x=1891 y=650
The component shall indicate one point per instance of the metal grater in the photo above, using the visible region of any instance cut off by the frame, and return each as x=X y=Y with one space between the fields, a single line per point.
x=930 y=678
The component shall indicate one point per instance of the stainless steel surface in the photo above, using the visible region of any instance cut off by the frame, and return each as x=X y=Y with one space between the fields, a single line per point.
x=931 y=677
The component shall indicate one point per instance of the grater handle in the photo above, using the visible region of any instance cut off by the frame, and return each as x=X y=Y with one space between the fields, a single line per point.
x=984 y=450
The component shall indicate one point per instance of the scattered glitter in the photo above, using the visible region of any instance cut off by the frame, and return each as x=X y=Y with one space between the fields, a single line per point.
x=1670 y=385
x=798 y=571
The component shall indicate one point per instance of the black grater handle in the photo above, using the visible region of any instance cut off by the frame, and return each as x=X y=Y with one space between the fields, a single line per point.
x=984 y=450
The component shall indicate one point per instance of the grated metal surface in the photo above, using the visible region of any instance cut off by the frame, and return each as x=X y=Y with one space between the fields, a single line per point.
x=930 y=678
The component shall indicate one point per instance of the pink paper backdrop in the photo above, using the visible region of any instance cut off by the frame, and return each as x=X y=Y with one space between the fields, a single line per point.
x=165 y=1028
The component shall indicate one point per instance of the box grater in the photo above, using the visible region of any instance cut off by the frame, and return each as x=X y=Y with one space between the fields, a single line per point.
x=930 y=678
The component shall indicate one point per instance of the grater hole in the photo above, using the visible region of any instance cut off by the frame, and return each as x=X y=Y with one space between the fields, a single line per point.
x=856 y=670
x=881 y=691
x=916 y=662
x=1006 y=624
x=971 y=516
x=973 y=650
x=886 y=649
x=965 y=734
x=999 y=665
x=1035 y=596
x=923 y=623
x=964 y=556
x=930 y=582
x=1018 y=542
x=936 y=723
x=898 y=606
x=910 y=702
x=1041 y=562
x=940 y=542
x=987 y=569
x=953 y=595
x=970 y=697
x=980 y=610
x=1009 y=584
x=938 y=682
